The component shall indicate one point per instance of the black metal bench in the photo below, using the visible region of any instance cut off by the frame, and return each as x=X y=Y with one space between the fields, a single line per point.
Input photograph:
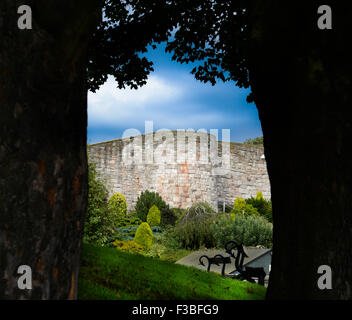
x=238 y=253
x=216 y=260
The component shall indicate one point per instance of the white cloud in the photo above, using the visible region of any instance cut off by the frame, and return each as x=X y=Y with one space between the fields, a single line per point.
x=111 y=105
x=156 y=89
x=173 y=100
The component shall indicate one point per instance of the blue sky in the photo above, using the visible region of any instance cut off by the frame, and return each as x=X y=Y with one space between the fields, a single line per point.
x=172 y=99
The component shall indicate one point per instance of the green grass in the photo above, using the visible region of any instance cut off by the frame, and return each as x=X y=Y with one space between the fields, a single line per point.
x=107 y=273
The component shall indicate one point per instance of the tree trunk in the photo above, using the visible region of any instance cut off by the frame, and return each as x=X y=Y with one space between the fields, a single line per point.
x=301 y=79
x=43 y=165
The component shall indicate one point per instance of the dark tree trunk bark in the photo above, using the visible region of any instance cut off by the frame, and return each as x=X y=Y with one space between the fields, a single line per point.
x=43 y=165
x=301 y=79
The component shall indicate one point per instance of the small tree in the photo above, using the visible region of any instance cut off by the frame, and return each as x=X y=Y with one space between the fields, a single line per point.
x=259 y=196
x=145 y=201
x=239 y=204
x=241 y=208
x=255 y=141
x=154 y=216
x=97 y=226
x=144 y=236
x=262 y=205
x=117 y=208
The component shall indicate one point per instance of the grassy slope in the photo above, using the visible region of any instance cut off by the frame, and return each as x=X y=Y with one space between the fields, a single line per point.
x=110 y=274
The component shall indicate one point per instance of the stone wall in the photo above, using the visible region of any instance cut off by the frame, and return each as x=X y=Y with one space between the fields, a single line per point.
x=183 y=167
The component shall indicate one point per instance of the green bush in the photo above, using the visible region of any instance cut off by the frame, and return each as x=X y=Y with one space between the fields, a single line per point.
x=264 y=207
x=250 y=230
x=158 y=250
x=130 y=220
x=239 y=204
x=223 y=229
x=154 y=216
x=118 y=207
x=98 y=225
x=197 y=209
x=146 y=200
x=193 y=230
x=170 y=239
x=256 y=141
x=259 y=196
x=128 y=246
x=144 y=236
x=253 y=231
x=168 y=217
x=243 y=209
x=128 y=233
x=179 y=213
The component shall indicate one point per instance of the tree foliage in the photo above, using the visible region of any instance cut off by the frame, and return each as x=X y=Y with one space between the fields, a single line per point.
x=144 y=236
x=154 y=216
x=98 y=226
x=256 y=141
x=146 y=200
x=263 y=206
x=212 y=33
x=192 y=231
x=122 y=37
x=243 y=209
x=117 y=205
x=252 y=230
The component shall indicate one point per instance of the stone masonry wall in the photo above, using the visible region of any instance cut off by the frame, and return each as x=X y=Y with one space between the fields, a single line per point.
x=183 y=167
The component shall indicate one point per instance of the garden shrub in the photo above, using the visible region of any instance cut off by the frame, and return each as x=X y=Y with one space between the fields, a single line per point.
x=125 y=233
x=264 y=207
x=239 y=204
x=128 y=233
x=118 y=207
x=249 y=230
x=259 y=196
x=179 y=213
x=223 y=229
x=193 y=230
x=144 y=236
x=168 y=217
x=130 y=220
x=256 y=141
x=134 y=220
x=98 y=225
x=253 y=231
x=197 y=209
x=170 y=239
x=145 y=201
x=128 y=246
x=156 y=250
x=154 y=216
x=243 y=209
x=159 y=251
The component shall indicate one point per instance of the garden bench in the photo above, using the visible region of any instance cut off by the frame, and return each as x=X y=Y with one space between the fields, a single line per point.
x=238 y=252
x=216 y=260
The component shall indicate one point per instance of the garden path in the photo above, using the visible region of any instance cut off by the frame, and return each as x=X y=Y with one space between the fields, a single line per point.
x=192 y=260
